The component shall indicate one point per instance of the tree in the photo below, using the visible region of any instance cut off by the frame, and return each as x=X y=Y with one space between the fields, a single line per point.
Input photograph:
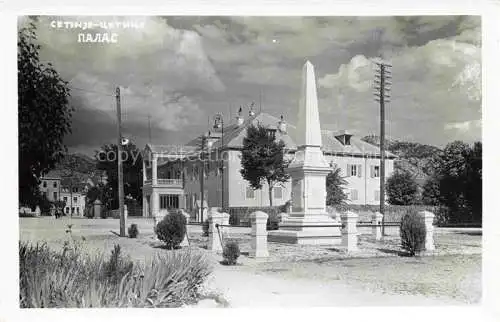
x=459 y=176
x=335 y=194
x=430 y=193
x=43 y=113
x=107 y=160
x=262 y=159
x=402 y=189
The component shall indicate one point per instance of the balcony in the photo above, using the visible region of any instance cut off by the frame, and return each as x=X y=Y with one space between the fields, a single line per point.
x=166 y=182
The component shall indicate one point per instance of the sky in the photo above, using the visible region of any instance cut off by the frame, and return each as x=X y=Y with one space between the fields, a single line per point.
x=183 y=70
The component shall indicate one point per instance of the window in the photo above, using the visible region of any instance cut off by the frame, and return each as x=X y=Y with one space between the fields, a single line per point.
x=67 y=209
x=55 y=195
x=169 y=201
x=75 y=199
x=250 y=193
x=45 y=184
x=65 y=199
x=271 y=133
x=75 y=189
x=354 y=170
x=54 y=184
x=375 y=173
x=78 y=210
x=72 y=210
x=354 y=194
x=376 y=195
x=278 y=192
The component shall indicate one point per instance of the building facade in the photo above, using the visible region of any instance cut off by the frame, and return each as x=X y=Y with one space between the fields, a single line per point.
x=173 y=175
x=58 y=187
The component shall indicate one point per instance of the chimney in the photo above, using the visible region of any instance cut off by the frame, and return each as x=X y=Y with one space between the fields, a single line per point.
x=239 y=119
x=282 y=125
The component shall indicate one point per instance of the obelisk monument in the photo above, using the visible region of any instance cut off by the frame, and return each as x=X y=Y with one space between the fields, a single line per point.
x=308 y=171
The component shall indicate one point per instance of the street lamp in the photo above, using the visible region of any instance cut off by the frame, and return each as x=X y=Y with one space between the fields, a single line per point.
x=219 y=124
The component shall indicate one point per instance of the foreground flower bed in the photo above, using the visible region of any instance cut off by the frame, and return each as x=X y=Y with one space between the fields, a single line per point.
x=69 y=278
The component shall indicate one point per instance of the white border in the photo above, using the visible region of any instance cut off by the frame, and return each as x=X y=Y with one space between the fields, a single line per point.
x=8 y=141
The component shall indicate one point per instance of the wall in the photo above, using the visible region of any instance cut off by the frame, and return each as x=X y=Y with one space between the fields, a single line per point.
x=238 y=187
x=50 y=189
x=79 y=205
x=365 y=185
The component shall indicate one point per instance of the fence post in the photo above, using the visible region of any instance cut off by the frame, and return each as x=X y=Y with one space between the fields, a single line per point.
x=225 y=221
x=214 y=242
x=349 y=231
x=259 y=235
x=428 y=218
x=377 y=225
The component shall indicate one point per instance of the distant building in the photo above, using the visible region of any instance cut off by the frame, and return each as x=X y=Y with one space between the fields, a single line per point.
x=172 y=174
x=50 y=185
x=55 y=185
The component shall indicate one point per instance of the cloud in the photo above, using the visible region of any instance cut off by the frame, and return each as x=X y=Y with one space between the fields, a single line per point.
x=181 y=70
x=463 y=126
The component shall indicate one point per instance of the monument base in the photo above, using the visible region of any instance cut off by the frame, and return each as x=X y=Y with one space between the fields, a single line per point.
x=300 y=229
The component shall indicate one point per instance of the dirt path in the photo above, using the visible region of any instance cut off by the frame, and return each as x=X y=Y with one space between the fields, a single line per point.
x=243 y=288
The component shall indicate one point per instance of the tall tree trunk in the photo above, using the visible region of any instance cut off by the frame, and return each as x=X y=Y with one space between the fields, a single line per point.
x=270 y=194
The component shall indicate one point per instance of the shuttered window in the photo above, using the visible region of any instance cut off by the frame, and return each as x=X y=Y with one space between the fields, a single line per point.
x=250 y=193
x=278 y=192
x=375 y=171
x=354 y=170
x=354 y=194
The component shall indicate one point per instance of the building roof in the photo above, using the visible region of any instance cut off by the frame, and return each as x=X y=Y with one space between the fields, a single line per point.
x=234 y=135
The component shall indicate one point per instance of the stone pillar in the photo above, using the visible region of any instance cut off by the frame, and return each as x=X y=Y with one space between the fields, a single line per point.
x=377 y=228
x=349 y=231
x=214 y=240
x=428 y=219
x=225 y=221
x=97 y=208
x=154 y=170
x=258 y=243
x=125 y=211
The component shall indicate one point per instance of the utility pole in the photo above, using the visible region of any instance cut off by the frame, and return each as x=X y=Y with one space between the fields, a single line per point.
x=149 y=128
x=382 y=87
x=120 y=166
x=202 y=178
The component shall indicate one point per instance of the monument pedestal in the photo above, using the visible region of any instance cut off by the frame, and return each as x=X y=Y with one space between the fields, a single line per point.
x=300 y=229
x=308 y=170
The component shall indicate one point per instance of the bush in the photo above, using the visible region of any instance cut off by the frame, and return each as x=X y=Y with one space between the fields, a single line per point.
x=69 y=279
x=172 y=229
x=412 y=232
x=205 y=228
x=402 y=189
x=273 y=221
x=231 y=253
x=133 y=231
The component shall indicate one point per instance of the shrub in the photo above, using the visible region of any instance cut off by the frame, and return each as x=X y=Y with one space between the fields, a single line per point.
x=231 y=253
x=70 y=279
x=205 y=228
x=402 y=189
x=133 y=231
x=273 y=221
x=171 y=229
x=412 y=232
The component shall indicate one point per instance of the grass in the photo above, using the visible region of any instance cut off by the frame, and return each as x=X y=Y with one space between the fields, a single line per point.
x=71 y=278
